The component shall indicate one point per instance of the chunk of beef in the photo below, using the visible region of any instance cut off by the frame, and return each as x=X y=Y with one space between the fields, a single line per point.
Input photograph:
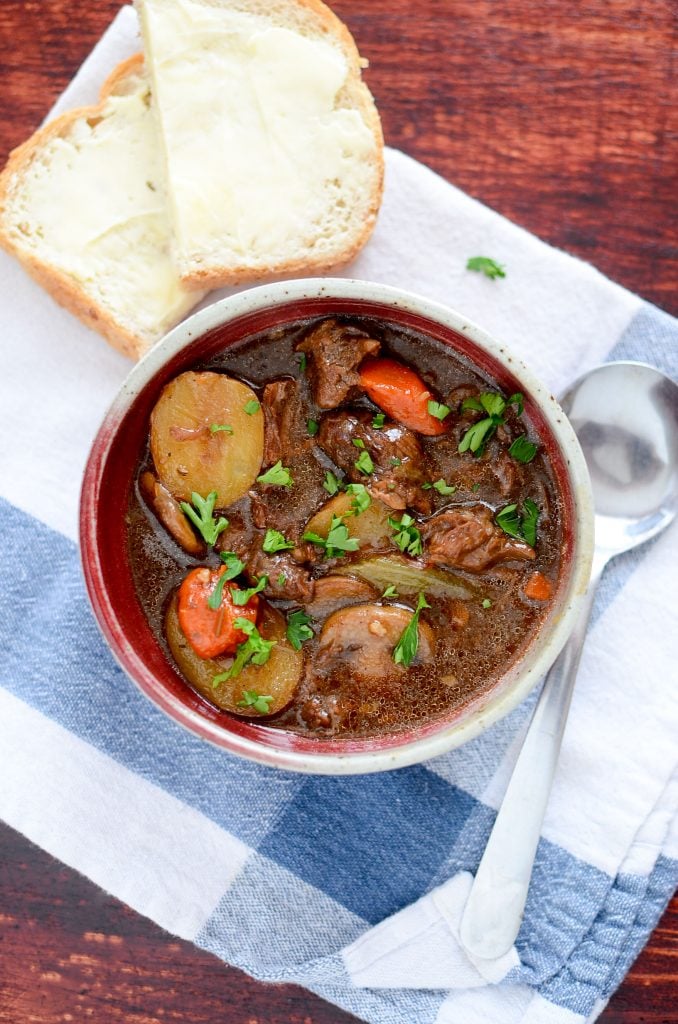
x=395 y=451
x=284 y=426
x=468 y=538
x=336 y=351
x=246 y=542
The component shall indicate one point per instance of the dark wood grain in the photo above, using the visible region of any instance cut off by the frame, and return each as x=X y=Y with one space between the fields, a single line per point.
x=561 y=116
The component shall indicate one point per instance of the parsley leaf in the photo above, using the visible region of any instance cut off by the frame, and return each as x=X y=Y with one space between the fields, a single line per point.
x=522 y=527
x=518 y=401
x=486 y=265
x=254 y=649
x=530 y=517
x=364 y=463
x=298 y=629
x=277 y=476
x=276 y=541
x=443 y=488
x=302 y=362
x=361 y=499
x=407 y=536
x=438 y=410
x=486 y=603
x=337 y=540
x=312 y=427
x=395 y=461
x=252 y=699
x=406 y=649
x=522 y=449
x=234 y=568
x=216 y=427
x=379 y=420
x=495 y=405
x=203 y=519
x=252 y=406
x=358 y=442
x=427 y=486
x=281 y=580
x=331 y=484
x=241 y=597
x=390 y=592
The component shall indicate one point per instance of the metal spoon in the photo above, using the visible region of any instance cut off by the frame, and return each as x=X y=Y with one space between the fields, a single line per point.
x=626 y=418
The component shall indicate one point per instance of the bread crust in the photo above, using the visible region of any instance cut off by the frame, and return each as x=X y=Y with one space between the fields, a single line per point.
x=60 y=285
x=360 y=98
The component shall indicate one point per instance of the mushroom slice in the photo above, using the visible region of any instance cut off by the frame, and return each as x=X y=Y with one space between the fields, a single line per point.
x=332 y=592
x=361 y=639
x=170 y=515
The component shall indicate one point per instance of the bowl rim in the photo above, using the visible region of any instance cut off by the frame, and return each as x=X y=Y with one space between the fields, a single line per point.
x=412 y=751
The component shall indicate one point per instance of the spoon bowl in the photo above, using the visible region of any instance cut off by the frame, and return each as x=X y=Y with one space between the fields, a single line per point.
x=625 y=416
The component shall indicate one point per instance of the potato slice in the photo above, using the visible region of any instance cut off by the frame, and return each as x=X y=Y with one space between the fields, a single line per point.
x=370 y=527
x=278 y=678
x=188 y=455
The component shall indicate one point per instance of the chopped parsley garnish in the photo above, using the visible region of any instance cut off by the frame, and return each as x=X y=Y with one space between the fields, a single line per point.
x=302 y=362
x=203 y=519
x=312 y=427
x=298 y=629
x=396 y=462
x=530 y=518
x=407 y=536
x=522 y=449
x=475 y=488
x=406 y=649
x=486 y=603
x=331 y=484
x=234 y=568
x=358 y=442
x=438 y=410
x=427 y=486
x=276 y=541
x=252 y=406
x=241 y=597
x=337 y=540
x=233 y=563
x=390 y=592
x=379 y=420
x=486 y=265
x=494 y=406
x=281 y=580
x=361 y=499
x=443 y=488
x=521 y=527
x=364 y=463
x=216 y=427
x=254 y=649
x=277 y=476
x=252 y=699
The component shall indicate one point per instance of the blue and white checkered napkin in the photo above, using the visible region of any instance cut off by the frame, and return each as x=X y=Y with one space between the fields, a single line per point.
x=350 y=886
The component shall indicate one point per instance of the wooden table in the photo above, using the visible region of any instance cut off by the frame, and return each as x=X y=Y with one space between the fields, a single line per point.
x=560 y=116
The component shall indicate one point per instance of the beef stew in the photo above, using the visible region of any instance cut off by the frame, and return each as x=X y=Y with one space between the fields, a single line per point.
x=342 y=528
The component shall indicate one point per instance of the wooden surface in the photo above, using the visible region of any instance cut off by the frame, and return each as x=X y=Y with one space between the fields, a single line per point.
x=561 y=116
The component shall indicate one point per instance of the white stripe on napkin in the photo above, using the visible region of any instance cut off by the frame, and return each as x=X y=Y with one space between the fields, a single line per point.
x=163 y=858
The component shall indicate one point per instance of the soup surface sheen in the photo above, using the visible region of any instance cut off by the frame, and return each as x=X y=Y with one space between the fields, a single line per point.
x=367 y=510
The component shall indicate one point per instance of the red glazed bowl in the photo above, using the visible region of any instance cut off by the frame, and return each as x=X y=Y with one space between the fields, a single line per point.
x=110 y=472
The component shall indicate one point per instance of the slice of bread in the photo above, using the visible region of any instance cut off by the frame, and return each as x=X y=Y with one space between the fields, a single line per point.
x=83 y=206
x=273 y=145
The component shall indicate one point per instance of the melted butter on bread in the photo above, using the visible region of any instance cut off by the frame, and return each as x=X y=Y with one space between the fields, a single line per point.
x=274 y=161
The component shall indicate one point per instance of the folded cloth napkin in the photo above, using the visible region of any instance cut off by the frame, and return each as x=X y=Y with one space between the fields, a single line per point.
x=351 y=886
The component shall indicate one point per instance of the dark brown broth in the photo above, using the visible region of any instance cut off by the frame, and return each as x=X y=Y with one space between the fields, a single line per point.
x=468 y=660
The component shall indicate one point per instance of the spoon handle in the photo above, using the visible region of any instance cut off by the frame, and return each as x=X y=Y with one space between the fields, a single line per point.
x=494 y=910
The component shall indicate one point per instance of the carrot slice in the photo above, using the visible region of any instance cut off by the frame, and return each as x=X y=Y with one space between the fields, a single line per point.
x=401 y=393
x=211 y=632
x=538 y=587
